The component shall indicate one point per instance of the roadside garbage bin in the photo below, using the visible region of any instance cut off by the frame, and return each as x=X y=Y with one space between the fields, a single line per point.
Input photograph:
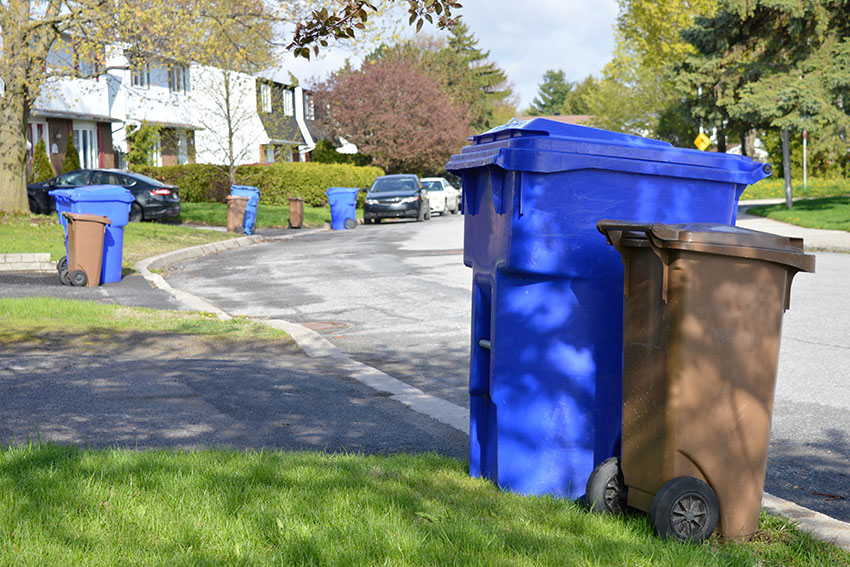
x=236 y=213
x=702 y=322
x=110 y=201
x=85 y=247
x=296 y=212
x=546 y=353
x=249 y=219
x=343 y=202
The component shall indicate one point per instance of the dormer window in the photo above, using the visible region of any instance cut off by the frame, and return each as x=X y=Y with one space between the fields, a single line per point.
x=142 y=76
x=178 y=79
x=309 y=111
x=288 y=103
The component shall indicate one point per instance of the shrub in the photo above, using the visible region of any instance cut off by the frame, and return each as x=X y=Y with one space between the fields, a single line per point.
x=72 y=157
x=41 y=168
x=203 y=183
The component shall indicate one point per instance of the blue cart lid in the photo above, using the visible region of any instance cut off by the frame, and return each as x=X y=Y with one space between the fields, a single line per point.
x=546 y=146
x=337 y=190
x=95 y=193
x=236 y=189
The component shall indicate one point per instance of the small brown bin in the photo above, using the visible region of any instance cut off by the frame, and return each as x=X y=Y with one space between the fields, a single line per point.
x=85 y=248
x=236 y=213
x=701 y=329
x=296 y=212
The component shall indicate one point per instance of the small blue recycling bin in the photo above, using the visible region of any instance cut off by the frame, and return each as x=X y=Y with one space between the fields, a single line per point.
x=545 y=377
x=343 y=202
x=110 y=201
x=253 y=194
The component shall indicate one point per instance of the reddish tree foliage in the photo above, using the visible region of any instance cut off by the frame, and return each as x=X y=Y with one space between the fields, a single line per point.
x=394 y=113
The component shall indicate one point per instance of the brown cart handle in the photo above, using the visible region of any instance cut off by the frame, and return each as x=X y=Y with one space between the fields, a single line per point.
x=614 y=231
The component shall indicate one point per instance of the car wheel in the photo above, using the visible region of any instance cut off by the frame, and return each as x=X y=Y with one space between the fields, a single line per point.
x=136 y=213
x=34 y=208
x=428 y=213
x=377 y=221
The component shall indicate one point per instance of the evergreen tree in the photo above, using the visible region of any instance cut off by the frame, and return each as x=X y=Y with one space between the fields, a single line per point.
x=41 y=168
x=72 y=157
x=551 y=94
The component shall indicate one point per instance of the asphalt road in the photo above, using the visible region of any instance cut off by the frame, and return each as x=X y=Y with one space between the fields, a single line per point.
x=397 y=296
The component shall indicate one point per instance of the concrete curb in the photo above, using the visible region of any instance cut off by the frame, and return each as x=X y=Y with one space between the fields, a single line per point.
x=820 y=526
x=39 y=262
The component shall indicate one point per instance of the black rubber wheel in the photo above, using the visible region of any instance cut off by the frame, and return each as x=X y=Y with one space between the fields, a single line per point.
x=606 y=492
x=63 y=277
x=136 y=213
x=34 y=208
x=428 y=213
x=62 y=264
x=685 y=508
x=78 y=278
x=350 y=224
x=377 y=221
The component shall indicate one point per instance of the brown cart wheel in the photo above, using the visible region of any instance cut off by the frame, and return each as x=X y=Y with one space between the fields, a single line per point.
x=685 y=508
x=606 y=492
x=78 y=278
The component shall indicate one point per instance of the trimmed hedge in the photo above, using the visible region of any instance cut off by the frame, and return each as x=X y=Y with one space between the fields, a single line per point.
x=204 y=183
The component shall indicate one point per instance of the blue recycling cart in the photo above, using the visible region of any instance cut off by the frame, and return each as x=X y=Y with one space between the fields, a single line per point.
x=110 y=201
x=545 y=378
x=343 y=202
x=253 y=194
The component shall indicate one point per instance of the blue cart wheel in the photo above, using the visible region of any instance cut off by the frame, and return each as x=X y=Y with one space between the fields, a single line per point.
x=606 y=491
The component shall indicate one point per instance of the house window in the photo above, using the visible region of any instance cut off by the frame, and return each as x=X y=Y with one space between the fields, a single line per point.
x=156 y=152
x=85 y=139
x=268 y=152
x=178 y=79
x=288 y=103
x=38 y=131
x=142 y=76
x=182 y=147
x=266 y=97
x=309 y=111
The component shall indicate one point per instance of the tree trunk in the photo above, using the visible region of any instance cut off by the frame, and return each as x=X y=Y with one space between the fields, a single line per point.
x=13 y=151
x=748 y=143
x=721 y=140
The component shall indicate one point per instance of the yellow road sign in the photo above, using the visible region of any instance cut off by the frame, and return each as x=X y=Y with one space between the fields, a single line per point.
x=702 y=142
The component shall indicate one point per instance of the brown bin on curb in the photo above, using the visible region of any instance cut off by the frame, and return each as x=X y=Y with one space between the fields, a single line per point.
x=701 y=329
x=296 y=212
x=236 y=213
x=85 y=248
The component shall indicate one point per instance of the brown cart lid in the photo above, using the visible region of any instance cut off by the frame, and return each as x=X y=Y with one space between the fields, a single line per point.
x=85 y=217
x=711 y=238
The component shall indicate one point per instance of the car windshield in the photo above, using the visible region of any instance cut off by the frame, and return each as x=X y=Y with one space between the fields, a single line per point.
x=433 y=185
x=386 y=184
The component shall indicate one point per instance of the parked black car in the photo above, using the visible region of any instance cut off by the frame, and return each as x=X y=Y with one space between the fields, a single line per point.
x=396 y=196
x=154 y=199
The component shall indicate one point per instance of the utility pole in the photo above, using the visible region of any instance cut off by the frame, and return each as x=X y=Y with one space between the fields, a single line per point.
x=805 y=158
x=786 y=167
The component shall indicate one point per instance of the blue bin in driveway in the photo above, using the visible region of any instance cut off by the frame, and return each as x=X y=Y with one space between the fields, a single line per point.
x=110 y=201
x=253 y=194
x=343 y=202
x=545 y=377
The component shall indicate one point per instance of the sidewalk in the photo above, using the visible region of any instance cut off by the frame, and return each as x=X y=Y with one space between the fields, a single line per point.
x=815 y=239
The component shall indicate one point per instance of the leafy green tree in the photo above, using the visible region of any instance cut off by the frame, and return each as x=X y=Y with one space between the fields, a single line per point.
x=552 y=94
x=72 y=157
x=143 y=141
x=637 y=86
x=578 y=97
x=42 y=170
x=774 y=65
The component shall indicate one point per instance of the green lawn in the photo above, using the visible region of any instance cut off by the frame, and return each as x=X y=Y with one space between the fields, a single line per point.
x=39 y=233
x=268 y=216
x=827 y=213
x=774 y=188
x=68 y=506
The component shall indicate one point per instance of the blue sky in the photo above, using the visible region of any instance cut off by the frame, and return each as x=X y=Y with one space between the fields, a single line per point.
x=524 y=38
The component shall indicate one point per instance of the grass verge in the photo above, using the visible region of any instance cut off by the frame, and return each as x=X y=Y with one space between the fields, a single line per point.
x=268 y=216
x=774 y=188
x=68 y=506
x=827 y=213
x=28 y=320
x=24 y=234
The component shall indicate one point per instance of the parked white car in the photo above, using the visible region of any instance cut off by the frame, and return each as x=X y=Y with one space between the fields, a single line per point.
x=442 y=197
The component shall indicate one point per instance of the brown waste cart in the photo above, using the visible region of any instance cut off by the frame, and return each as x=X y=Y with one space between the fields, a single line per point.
x=85 y=248
x=236 y=213
x=701 y=328
x=296 y=212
